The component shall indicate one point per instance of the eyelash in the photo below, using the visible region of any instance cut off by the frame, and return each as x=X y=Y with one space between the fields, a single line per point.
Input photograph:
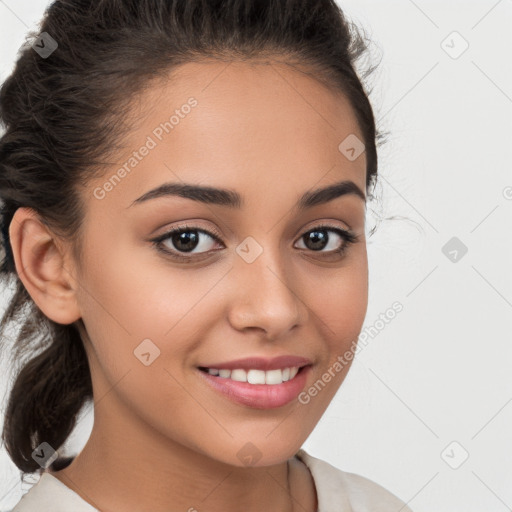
x=348 y=236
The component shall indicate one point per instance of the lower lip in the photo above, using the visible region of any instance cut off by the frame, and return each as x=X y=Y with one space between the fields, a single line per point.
x=259 y=396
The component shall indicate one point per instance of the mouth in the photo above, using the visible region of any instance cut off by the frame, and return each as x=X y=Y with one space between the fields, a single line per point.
x=255 y=376
x=255 y=388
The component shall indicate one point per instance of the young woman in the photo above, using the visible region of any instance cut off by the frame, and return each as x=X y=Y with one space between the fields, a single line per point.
x=184 y=188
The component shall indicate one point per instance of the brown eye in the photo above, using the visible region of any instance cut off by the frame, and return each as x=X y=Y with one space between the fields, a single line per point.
x=186 y=240
x=318 y=239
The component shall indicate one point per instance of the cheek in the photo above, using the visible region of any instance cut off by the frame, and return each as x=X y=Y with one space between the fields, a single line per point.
x=340 y=309
x=139 y=294
x=137 y=312
x=149 y=316
x=339 y=300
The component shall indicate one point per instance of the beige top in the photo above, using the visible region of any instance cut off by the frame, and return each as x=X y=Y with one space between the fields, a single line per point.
x=337 y=491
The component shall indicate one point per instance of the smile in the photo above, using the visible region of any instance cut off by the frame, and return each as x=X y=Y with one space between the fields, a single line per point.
x=257 y=388
x=253 y=376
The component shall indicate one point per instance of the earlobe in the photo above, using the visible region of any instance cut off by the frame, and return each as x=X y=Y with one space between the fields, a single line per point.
x=40 y=264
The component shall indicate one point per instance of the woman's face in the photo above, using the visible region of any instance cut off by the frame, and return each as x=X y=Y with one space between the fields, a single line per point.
x=253 y=275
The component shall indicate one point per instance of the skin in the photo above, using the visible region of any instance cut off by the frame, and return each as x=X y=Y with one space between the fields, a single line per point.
x=162 y=439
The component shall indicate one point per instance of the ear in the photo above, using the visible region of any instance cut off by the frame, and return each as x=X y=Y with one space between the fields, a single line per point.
x=42 y=265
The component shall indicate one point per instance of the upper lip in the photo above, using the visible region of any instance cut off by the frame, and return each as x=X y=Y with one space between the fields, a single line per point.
x=261 y=363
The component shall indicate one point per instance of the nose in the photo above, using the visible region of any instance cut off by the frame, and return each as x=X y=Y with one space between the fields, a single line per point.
x=264 y=297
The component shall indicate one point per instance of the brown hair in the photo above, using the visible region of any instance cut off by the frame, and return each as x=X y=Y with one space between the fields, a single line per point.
x=65 y=113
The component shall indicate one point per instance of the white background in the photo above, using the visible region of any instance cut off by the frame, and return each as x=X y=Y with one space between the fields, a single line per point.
x=440 y=371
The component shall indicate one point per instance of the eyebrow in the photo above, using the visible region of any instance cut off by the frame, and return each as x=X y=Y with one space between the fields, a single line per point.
x=232 y=199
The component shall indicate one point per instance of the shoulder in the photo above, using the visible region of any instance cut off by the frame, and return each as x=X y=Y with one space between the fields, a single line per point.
x=341 y=491
x=49 y=494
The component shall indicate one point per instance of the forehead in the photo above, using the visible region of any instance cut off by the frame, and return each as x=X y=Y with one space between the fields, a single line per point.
x=243 y=125
x=252 y=95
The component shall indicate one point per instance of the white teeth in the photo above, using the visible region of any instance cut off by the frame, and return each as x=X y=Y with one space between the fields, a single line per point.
x=256 y=377
x=271 y=377
x=239 y=375
x=274 y=377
